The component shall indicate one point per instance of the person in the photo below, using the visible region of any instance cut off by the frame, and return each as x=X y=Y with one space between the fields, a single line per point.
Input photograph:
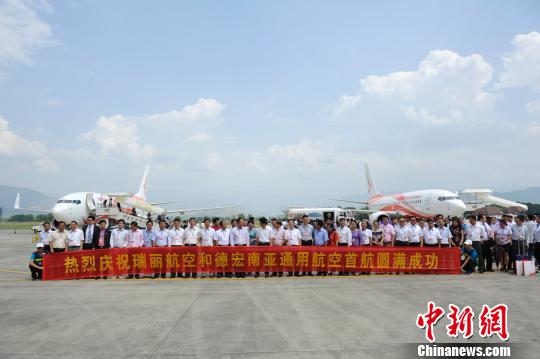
x=476 y=233
x=240 y=238
x=59 y=240
x=367 y=236
x=45 y=237
x=293 y=237
x=536 y=242
x=356 y=234
x=75 y=237
x=468 y=257
x=222 y=239
x=206 y=239
x=531 y=225
x=519 y=239
x=376 y=234
x=149 y=234
x=134 y=239
x=252 y=233
x=36 y=262
x=90 y=230
x=415 y=234
x=446 y=235
x=161 y=239
x=176 y=239
x=432 y=235
x=389 y=234
x=277 y=239
x=306 y=230
x=103 y=238
x=263 y=238
x=320 y=238
x=488 y=244
x=503 y=239
x=333 y=237
x=402 y=234
x=457 y=232
x=215 y=224
x=344 y=233
x=118 y=235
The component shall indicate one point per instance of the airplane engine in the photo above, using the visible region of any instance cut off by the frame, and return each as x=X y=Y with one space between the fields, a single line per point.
x=377 y=216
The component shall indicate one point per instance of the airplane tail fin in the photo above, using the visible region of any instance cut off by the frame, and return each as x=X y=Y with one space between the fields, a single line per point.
x=372 y=190
x=143 y=187
x=17 y=204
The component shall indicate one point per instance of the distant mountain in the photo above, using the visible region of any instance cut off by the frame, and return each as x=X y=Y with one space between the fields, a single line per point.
x=531 y=195
x=29 y=198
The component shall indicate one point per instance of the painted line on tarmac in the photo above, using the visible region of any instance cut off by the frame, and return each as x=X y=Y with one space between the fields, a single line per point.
x=12 y=271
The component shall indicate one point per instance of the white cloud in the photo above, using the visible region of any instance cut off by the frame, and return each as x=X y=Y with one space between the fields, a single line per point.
x=118 y=135
x=522 y=65
x=14 y=145
x=205 y=111
x=445 y=89
x=22 y=30
x=199 y=138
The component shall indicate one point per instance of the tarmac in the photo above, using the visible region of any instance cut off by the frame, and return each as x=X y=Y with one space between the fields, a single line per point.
x=330 y=317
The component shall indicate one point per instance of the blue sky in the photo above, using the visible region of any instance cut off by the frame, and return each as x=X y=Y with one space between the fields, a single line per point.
x=268 y=103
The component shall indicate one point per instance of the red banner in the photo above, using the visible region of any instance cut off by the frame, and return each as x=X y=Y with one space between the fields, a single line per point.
x=123 y=261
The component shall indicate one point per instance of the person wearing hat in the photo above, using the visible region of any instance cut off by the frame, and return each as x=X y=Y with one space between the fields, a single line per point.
x=468 y=257
x=36 y=262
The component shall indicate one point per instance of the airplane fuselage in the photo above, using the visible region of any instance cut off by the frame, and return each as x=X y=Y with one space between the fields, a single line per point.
x=422 y=204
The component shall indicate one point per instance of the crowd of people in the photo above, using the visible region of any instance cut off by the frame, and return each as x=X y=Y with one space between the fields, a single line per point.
x=484 y=241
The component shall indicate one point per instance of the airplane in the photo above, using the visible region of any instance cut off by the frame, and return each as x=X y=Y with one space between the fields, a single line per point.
x=421 y=204
x=78 y=206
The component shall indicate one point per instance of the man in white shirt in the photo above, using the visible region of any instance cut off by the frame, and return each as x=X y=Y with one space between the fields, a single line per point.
x=263 y=238
x=536 y=242
x=240 y=238
x=306 y=230
x=531 y=225
x=75 y=237
x=402 y=238
x=176 y=239
x=344 y=237
x=59 y=240
x=134 y=239
x=432 y=236
x=161 y=239
x=477 y=234
x=119 y=235
x=222 y=239
x=191 y=239
x=415 y=234
x=292 y=238
x=206 y=239
x=45 y=237
x=519 y=239
x=446 y=236
x=277 y=239
x=344 y=233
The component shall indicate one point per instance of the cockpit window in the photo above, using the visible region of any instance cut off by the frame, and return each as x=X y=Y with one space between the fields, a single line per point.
x=447 y=198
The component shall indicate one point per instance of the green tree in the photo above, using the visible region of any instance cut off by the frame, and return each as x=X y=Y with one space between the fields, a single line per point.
x=22 y=218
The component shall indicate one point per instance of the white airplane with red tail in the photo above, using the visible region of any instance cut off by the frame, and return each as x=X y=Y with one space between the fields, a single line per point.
x=421 y=204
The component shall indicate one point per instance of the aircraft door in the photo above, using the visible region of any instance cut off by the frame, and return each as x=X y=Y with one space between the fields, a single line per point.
x=90 y=203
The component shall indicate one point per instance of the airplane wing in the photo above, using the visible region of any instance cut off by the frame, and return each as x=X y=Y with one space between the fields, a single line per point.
x=348 y=201
x=158 y=203
x=198 y=209
x=17 y=205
